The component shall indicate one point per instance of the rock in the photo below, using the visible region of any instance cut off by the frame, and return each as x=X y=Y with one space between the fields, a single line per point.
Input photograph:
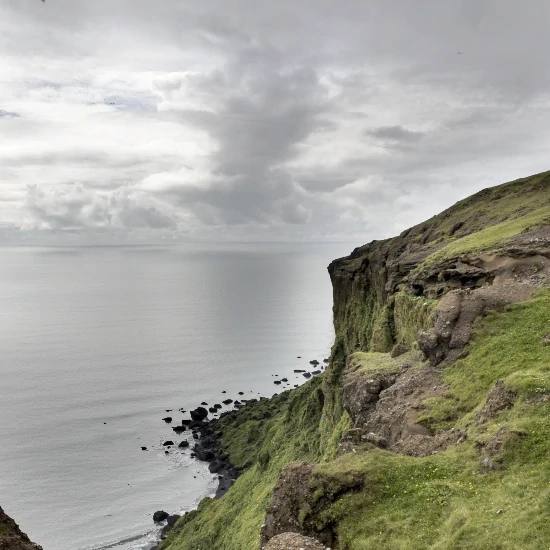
x=179 y=429
x=399 y=349
x=204 y=454
x=186 y=422
x=200 y=413
x=293 y=541
x=217 y=406
x=183 y=445
x=168 y=444
x=227 y=401
x=168 y=419
x=306 y=375
x=197 y=424
x=11 y=537
x=299 y=370
x=276 y=382
x=213 y=410
x=144 y=448
x=159 y=516
x=325 y=360
x=316 y=372
x=204 y=403
x=284 y=379
x=168 y=410
x=241 y=393
x=224 y=391
x=299 y=357
x=314 y=362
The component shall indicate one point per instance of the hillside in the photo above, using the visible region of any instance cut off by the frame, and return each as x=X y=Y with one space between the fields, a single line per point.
x=430 y=427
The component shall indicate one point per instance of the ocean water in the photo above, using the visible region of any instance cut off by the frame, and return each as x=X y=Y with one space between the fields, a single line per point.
x=96 y=343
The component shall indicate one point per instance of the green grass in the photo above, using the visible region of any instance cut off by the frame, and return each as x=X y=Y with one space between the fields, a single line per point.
x=490 y=237
x=504 y=346
x=292 y=433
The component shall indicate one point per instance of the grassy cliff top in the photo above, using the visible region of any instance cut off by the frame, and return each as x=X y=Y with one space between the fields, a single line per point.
x=481 y=222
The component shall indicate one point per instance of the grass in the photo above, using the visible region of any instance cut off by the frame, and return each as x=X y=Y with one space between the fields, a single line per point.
x=505 y=346
x=490 y=237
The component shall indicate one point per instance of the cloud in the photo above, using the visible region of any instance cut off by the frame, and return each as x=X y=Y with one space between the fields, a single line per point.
x=394 y=133
x=263 y=120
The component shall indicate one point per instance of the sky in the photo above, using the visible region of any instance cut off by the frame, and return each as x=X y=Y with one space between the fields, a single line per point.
x=295 y=120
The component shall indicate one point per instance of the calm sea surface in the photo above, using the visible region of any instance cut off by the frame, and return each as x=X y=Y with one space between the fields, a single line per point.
x=95 y=345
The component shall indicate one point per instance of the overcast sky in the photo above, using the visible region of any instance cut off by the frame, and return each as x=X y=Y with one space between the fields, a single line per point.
x=255 y=120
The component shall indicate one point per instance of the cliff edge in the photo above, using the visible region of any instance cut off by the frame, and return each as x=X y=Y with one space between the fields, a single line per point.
x=429 y=428
x=11 y=537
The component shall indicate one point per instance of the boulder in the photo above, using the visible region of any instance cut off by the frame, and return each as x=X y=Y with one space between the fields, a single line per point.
x=179 y=429
x=200 y=413
x=227 y=401
x=168 y=444
x=314 y=362
x=183 y=445
x=168 y=419
x=306 y=375
x=144 y=448
x=159 y=516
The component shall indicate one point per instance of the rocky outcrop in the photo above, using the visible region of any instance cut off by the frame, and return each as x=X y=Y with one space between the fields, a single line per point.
x=11 y=537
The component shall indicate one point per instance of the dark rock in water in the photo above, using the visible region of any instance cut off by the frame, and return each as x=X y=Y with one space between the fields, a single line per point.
x=204 y=454
x=144 y=448
x=316 y=372
x=227 y=401
x=299 y=357
x=168 y=410
x=276 y=382
x=224 y=391
x=236 y=403
x=217 y=406
x=193 y=455
x=299 y=370
x=197 y=424
x=306 y=375
x=295 y=385
x=204 y=403
x=284 y=379
x=241 y=393
x=314 y=362
x=183 y=445
x=166 y=452
x=186 y=422
x=168 y=419
x=179 y=429
x=195 y=435
x=159 y=516
x=168 y=444
x=200 y=413
x=212 y=410
x=325 y=360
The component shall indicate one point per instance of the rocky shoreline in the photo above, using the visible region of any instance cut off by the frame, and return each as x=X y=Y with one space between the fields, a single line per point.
x=208 y=446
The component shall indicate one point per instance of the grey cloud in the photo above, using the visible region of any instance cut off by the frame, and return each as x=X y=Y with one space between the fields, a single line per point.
x=393 y=133
x=8 y=114
x=270 y=102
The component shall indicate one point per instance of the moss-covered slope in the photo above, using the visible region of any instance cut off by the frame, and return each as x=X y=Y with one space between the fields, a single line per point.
x=431 y=426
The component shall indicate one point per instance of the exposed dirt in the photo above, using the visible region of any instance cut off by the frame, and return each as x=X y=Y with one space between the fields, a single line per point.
x=499 y=399
x=456 y=312
x=293 y=541
x=11 y=537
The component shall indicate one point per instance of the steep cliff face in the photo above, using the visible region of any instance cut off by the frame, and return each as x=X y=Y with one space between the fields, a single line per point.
x=430 y=427
x=11 y=537
x=385 y=291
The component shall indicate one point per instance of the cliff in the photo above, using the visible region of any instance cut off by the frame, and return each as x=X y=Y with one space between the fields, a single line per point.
x=430 y=427
x=11 y=537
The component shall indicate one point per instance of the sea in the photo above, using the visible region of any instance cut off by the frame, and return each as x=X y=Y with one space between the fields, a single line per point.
x=98 y=344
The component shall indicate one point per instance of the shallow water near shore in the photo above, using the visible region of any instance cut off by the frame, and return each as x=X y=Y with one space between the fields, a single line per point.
x=97 y=343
